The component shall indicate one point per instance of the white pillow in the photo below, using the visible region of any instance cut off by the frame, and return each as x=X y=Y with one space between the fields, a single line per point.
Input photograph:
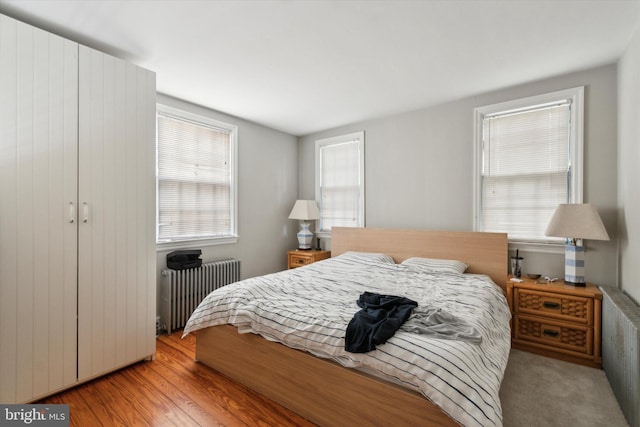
x=368 y=256
x=435 y=265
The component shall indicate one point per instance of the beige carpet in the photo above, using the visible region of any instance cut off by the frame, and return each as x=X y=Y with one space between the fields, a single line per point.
x=540 y=391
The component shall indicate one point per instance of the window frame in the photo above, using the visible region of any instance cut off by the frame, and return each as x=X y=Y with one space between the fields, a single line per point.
x=576 y=156
x=340 y=139
x=198 y=119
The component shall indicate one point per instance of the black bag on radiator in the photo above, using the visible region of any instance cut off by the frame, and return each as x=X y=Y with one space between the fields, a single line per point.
x=184 y=259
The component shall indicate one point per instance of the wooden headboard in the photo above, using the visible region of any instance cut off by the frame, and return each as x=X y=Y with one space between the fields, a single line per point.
x=484 y=252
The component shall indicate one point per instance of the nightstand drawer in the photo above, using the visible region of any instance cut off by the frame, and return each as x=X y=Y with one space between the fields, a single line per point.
x=558 y=306
x=548 y=332
x=300 y=258
x=299 y=261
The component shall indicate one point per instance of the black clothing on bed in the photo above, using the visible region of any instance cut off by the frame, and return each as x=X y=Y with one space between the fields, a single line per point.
x=379 y=319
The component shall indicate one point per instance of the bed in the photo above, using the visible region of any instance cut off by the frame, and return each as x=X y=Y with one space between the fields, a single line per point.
x=331 y=387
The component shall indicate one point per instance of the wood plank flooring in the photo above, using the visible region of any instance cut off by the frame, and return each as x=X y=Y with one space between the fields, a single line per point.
x=172 y=390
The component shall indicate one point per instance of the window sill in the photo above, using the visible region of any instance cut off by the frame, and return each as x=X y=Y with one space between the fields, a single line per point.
x=539 y=247
x=323 y=234
x=195 y=244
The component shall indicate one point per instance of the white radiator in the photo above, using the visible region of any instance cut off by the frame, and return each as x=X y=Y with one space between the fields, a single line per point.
x=182 y=290
x=620 y=346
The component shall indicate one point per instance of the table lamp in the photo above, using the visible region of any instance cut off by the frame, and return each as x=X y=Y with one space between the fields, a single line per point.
x=305 y=210
x=573 y=222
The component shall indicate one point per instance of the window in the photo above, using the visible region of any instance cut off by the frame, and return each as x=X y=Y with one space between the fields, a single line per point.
x=196 y=178
x=528 y=160
x=340 y=181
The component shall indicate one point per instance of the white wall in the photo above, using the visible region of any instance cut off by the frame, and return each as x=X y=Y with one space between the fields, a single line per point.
x=628 y=168
x=267 y=190
x=419 y=166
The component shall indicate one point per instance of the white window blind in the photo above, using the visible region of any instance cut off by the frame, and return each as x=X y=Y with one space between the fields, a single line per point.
x=340 y=181
x=526 y=168
x=528 y=159
x=196 y=198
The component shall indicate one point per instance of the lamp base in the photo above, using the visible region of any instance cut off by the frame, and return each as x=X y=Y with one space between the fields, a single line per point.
x=304 y=236
x=574 y=265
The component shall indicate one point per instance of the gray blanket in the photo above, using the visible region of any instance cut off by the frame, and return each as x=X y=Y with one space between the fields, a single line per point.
x=438 y=323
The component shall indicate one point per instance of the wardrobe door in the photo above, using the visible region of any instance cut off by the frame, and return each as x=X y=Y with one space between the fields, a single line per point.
x=38 y=230
x=116 y=305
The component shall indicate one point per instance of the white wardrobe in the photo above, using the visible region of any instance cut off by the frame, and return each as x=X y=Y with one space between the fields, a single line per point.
x=77 y=213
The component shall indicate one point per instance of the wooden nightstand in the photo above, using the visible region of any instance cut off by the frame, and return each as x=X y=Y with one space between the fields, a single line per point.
x=298 y=258
x=557 y=320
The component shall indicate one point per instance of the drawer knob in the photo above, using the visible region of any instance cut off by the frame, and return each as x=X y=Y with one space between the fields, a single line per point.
x=553 y=305
x=550 y=333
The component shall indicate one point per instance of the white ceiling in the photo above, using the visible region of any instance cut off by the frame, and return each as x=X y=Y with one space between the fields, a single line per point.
x=305 y=66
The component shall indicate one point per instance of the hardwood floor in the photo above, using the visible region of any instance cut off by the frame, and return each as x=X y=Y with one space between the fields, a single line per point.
x=172 y=390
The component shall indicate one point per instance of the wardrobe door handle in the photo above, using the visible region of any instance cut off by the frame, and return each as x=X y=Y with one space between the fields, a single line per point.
x=85 y=212
x=72 y=212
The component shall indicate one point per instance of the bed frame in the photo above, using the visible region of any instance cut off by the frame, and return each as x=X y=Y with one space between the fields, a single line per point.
x=323 y=391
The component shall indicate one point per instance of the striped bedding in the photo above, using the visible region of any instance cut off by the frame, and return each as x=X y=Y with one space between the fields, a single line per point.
x=308 y=308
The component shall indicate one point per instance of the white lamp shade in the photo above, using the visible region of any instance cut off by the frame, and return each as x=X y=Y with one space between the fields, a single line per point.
x=577 y=221
x=305 y=210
